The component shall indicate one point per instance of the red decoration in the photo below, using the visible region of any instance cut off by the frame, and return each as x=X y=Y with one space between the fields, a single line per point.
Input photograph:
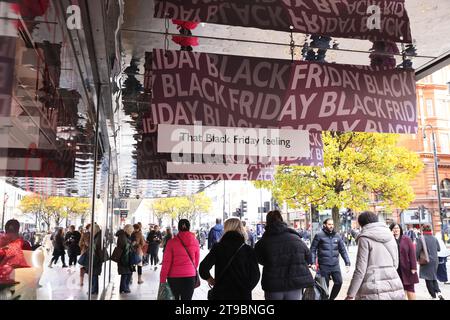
x=185 y=41
x=33 y=8
x=185 y=24
x=12 y=254
x=5 y=273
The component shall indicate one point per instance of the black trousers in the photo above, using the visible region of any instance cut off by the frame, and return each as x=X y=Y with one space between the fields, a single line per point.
x=433 y=287
x=182 y=288
x=336 y=276
x=73 y=260
x=56 y=257
x=154 y=249
x=139 y=270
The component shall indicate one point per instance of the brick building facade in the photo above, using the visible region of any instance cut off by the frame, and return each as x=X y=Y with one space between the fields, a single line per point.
x=433 y=103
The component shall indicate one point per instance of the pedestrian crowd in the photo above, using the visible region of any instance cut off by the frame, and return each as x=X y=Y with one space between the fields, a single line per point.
x=389 y=261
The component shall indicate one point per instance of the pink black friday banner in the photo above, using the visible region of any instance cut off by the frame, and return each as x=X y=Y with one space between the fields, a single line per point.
x=360 y=19
x=234 y=91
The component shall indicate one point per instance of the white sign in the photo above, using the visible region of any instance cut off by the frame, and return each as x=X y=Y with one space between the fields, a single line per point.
x=209 y=140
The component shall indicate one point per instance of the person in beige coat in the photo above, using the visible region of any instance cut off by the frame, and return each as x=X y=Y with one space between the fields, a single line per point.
x=375 y=276
x=138 y=243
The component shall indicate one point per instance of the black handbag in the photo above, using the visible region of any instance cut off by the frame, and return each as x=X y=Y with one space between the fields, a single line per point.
x=117 y=254
x=211 y=291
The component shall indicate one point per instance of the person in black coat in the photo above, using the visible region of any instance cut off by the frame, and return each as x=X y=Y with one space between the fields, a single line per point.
x=327 y=245
x=72 y=240
x=98 y=258
x=124 y=267
x=285 y=258
x=236 y=281
x=58 y=248
x=154 y=239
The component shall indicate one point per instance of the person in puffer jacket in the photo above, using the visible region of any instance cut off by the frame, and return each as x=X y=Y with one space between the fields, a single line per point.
x=284 y=257
x=215 y=233
x=326 y=246
x=375 y=276
x=179 y=268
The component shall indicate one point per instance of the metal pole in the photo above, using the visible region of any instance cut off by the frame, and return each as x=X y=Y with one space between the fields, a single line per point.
x=436 y=172
x=94 y=196
x=438 y=187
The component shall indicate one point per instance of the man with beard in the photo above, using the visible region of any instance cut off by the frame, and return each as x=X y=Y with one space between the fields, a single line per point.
x=326 y=247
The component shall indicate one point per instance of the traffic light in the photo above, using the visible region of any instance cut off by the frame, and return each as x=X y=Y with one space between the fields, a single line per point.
x=243 y=207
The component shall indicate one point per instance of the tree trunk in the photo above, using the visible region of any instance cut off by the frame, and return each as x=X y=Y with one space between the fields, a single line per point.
x=336 y=219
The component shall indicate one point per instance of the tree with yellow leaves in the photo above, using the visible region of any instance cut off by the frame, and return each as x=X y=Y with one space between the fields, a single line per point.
x=356 y=166
x=181 y=207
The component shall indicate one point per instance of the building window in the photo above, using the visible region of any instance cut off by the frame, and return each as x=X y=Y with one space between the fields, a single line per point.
x=445 y=186
x=444 y=143
x=430 y=111
x=441 y=109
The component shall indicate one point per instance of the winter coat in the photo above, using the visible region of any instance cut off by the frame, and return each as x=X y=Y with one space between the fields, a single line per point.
x=285 y=258
x=241 y=277
x=375 y=276
x=176 y=262
x=98 y=256
x=72 y=240
x=58 y=245
x=214 y=235
x=429 y=271
x=407 y=262
x=138 y=242
x=154 y=238
x=327 y=246
x=124 y=243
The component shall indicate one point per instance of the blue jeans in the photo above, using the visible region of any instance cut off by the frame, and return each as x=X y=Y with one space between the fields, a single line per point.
x=125 y=282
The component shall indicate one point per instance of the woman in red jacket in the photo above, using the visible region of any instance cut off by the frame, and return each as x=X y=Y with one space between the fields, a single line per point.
x=180 y=262
x=407 y=267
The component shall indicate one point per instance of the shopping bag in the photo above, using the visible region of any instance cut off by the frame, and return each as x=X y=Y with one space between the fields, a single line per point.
x=164 y=292
x=319 y=290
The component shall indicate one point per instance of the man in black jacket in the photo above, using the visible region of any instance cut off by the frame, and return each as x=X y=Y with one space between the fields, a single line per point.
x=326 y=246
x=285 y=258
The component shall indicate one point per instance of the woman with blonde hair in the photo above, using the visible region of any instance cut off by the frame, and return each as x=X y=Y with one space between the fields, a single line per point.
x=236 y=267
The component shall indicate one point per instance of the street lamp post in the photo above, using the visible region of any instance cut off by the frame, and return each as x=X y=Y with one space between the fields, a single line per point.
x=436 y=173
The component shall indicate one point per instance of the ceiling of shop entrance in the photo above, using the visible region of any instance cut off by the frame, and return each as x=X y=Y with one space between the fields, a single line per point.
x=430 y=28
